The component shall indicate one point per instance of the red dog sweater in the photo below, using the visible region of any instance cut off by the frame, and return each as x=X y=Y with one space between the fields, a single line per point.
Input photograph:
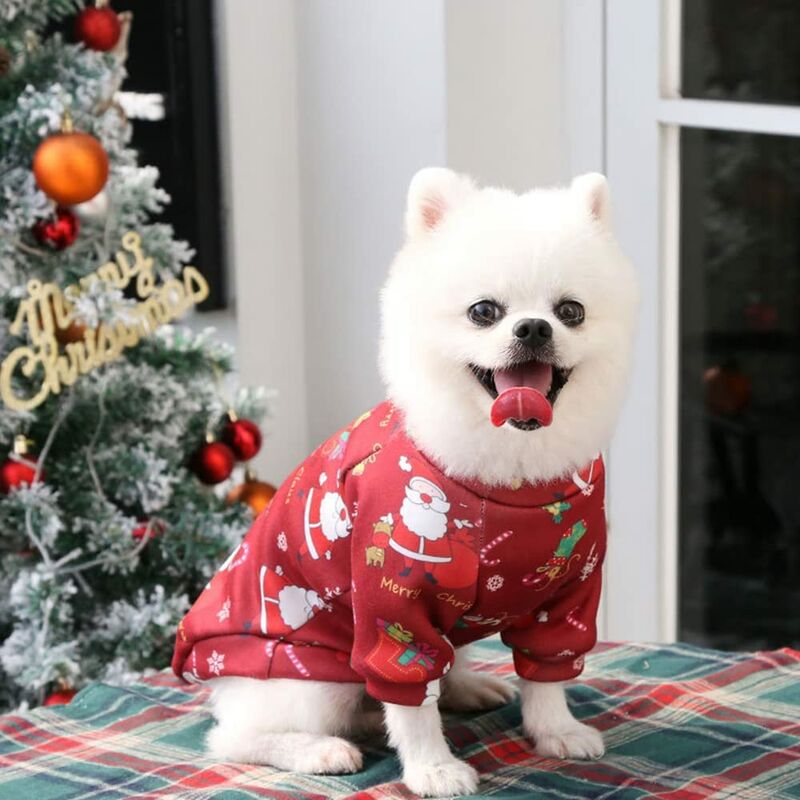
x=370 y=565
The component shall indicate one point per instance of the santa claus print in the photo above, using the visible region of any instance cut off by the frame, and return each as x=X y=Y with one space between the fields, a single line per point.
x=325 y=519
x=420 y=534
x=285 y=607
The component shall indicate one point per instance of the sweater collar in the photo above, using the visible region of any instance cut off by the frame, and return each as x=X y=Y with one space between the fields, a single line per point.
x=581 y=481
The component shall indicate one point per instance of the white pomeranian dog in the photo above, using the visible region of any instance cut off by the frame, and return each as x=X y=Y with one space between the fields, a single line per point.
x=508 y=325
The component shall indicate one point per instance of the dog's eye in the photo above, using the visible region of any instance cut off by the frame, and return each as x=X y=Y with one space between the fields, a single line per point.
x=570 y=312
x=486 y=312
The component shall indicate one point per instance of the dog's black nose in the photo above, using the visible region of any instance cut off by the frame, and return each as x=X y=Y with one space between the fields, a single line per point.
x=533 y=332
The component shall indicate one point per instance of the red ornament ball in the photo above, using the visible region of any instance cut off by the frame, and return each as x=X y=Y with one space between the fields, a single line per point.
x=727 y=390
x=98 y=28
x=213 y=462
x=156 y=529
x=14 y=473
x=60 y=698
x=243 y=437
x=58 y=232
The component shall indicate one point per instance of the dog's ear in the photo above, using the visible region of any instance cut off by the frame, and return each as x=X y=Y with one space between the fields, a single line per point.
x=433 y=193
x=593 y=192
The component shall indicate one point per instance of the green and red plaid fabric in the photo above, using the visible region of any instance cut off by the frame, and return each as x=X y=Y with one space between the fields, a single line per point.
x=680 y=723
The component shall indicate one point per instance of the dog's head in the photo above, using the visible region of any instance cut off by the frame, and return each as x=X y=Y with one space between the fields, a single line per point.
x=507 y=326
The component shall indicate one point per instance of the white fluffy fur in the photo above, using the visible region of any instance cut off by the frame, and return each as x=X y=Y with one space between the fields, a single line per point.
x=528 y=251
x=548 y=723
x=463 y=245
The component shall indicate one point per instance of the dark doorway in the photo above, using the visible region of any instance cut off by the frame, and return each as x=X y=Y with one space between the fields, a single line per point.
x=172 y=53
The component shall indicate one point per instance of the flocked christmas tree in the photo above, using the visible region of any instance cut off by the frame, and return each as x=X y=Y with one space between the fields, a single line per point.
x=106 y=529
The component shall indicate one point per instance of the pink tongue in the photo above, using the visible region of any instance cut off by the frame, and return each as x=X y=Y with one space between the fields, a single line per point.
x=522 y=394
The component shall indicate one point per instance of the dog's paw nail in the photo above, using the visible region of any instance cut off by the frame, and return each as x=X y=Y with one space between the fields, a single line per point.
x=444 y=779
x=576 y=741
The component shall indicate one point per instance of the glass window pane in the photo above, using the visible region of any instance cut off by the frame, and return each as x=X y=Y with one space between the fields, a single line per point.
x=745 y=50
x=739 y=413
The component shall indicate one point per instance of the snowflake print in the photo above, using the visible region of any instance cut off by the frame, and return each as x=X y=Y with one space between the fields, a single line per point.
x=216 y=662
x=283 y=543
x=543 y=616
x=565 y=653
x=225 y=611
x=494 y=583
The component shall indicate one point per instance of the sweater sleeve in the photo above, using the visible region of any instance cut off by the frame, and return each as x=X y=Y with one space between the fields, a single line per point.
x=397 y=648
x=550 y=645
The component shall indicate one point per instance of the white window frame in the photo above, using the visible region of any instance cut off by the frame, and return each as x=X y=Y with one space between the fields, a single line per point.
x=643 y=115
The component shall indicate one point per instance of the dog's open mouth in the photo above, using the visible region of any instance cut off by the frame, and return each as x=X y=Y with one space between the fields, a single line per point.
x=523 y=393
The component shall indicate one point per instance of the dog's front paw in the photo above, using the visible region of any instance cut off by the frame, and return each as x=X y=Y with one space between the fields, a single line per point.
x=474 y=691
x=444 y=779
x=575 y=740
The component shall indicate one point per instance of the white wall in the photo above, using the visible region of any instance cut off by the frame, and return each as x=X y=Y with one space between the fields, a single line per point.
x=258 y=93
x=371 y=81
x=505 y=93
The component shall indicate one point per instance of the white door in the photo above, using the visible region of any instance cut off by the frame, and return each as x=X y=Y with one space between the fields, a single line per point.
x=702 y=148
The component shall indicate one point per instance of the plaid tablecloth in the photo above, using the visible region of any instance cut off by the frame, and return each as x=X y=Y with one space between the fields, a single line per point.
x=679 y=723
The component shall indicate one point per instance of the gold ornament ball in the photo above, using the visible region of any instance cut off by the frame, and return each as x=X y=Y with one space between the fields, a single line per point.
x=256 y=494
x=70 y=167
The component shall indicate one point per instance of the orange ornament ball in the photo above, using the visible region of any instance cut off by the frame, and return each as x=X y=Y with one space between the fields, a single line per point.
x=74 y=332
x=70 y=167
x=256 y=494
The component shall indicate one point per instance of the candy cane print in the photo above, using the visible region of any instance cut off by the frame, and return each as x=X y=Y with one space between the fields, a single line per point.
x=232 y=561
x=235 y=559
x=308 y=525
x=298 y=664
x=585 y=486
x=265 y=599
x=576 y=623
x=263 y=607
x=486 y=549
